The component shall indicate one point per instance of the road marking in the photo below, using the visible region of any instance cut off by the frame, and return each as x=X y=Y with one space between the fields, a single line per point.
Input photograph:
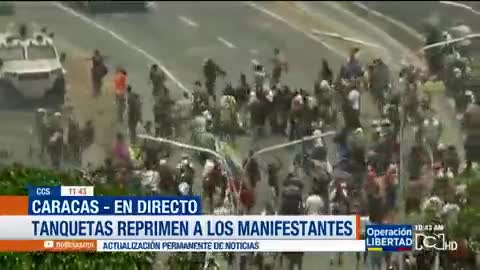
x=411 y=56
x=126 y=42
x=293 y=26
x=455 y=4
x=226 y=43
x=188 y=21
x=348 y=39
x=399 y=24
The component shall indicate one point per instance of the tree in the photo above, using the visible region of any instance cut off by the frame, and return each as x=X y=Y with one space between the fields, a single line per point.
x=14 y=181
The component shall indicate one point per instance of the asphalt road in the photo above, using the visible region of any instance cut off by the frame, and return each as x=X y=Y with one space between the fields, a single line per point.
x=14 y=134
x=440 y=14
x=183 y=34
x=182 y=47
x=444 y=16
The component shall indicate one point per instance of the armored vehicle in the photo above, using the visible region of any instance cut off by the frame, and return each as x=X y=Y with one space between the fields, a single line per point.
x=30 y=69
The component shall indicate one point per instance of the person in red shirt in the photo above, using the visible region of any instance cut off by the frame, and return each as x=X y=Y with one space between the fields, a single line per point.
x=247 y=197
x=120 y=88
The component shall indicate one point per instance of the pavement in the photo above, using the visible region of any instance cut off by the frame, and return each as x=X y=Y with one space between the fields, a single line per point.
x=372 y=30
x=180 y=35
x=441 y=13
x=14 y=134
x=100 y=110
x=405 y=16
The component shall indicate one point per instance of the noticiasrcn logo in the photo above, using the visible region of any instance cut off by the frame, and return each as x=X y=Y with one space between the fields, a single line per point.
x=48 y=244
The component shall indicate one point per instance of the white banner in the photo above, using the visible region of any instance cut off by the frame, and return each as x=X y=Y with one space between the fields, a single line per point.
x=180 y=227
x=231 y=246
x=77 y=191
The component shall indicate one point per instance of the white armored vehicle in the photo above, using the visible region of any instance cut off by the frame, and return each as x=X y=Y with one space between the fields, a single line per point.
x=30 y=68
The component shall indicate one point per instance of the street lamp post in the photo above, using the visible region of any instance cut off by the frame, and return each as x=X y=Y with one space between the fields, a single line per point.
x=280 y=146
x=191 y=147
x=234 y=193
x=224 y=161
x=284 y=145
x=402 y=178
x=452 y=41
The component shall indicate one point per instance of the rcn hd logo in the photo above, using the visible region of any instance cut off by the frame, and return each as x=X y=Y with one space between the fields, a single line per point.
x=434 y=241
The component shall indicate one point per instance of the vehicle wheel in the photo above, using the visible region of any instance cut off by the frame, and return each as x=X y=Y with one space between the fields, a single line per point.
x=9 y=97
x=59 y=86
x=56 y=97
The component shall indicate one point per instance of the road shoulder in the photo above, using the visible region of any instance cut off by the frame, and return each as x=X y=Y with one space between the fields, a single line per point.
x=85 y=107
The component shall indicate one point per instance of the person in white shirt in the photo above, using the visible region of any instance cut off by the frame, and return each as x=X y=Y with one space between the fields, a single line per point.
x=279 y=65
x=259 y=75
x=353 y=116
x=314 y=204
x=354 y=98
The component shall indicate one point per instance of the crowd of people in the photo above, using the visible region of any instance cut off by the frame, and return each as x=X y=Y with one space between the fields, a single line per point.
x=363 y=178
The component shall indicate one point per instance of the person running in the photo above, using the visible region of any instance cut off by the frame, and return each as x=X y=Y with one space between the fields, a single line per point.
x=259 y=76
x=183 y=111
x=41 y=128
x=279 y=65
x=354 y=109
x=134 y=113
x=120 y=150
x=55 y=149
x=98 y=71
x=120 y=87
x=326 y=72
x=353 y=69
x=157 y=79
x=211 y=70
x=472 y=123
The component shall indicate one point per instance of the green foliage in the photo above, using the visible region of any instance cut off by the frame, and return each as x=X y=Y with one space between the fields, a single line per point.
x=473 y=189
x=475 y=73
x=14 y=181
x=443 y=188
x=467 y=226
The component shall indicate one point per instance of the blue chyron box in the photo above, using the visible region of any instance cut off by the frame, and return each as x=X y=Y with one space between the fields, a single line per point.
x=388 y=237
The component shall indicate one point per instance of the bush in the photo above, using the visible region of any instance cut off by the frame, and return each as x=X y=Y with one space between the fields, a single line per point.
x=467 y=226
x=14 y=181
